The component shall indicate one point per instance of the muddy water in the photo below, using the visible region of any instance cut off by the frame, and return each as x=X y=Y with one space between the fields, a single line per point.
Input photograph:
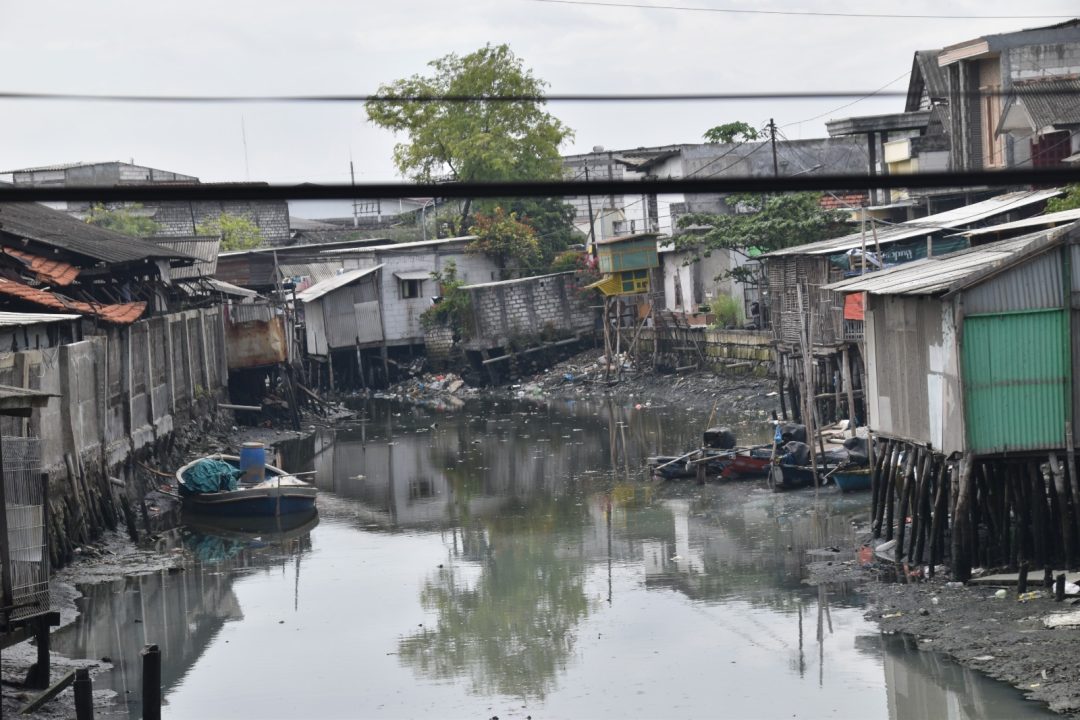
x=513 y=560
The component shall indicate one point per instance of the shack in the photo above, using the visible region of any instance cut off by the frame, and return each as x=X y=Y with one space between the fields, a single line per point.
x=344 y=322
x=972 y=356
x=799 y=300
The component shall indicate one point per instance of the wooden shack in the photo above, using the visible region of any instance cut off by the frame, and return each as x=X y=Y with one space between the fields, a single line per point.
x=344 y=323
x=972 y=357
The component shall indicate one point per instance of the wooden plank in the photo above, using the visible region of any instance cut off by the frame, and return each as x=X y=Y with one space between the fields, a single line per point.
x=49 y=694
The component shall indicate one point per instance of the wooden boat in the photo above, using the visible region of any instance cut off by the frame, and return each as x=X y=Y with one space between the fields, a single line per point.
x=754 y=462
x=279 y=494
x=851 y=479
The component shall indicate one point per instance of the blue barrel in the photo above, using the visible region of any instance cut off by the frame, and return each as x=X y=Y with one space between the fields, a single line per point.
x=253 y=462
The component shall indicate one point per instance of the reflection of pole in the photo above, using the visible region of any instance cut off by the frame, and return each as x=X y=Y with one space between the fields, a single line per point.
x=802 y=657
x=608 y=513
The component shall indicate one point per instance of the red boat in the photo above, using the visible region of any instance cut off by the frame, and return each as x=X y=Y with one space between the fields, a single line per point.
x=754 y=462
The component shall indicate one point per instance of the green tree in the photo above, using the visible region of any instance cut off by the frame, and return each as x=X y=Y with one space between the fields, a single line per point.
x=454 y=308
x=480 y=140
x=727 y=132
x=125 y=219
x=237 y=232
x=1069 y=201
x=551 y=219
x=502 y=237
x=766 y=223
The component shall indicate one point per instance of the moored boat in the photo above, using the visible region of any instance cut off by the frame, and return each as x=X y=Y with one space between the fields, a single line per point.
x=212 y=485
x=851 y=479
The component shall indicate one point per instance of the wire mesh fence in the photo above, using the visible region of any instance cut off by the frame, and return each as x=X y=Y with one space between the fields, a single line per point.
x=24 y=499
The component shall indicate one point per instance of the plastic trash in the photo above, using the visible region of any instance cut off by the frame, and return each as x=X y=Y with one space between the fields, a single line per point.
x=1001 y=594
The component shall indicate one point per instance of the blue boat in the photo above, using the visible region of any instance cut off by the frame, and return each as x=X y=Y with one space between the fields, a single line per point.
x=211 y=486
x=852 y=479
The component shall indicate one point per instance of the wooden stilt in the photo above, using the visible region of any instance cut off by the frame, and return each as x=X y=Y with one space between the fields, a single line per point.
x=961 y=545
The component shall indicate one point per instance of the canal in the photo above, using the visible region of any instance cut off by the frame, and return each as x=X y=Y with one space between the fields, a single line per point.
x=514 y=560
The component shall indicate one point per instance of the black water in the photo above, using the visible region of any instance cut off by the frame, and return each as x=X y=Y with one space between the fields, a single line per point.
x=513 y=560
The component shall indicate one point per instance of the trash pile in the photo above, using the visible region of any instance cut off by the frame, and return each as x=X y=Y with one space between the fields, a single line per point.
x=441 y=391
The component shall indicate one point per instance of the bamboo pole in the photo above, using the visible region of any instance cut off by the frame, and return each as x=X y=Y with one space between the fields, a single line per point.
x=805 y=339
x=1064 y=519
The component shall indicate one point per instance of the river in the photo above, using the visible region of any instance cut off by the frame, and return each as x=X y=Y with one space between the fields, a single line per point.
x=513 y=560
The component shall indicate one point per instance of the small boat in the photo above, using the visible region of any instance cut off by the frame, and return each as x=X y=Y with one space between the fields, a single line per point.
x=851 y=479
x=213 y=488
x=788 y=477
x=754 y=462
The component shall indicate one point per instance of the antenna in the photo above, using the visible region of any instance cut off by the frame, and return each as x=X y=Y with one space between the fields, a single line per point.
x=243 y=137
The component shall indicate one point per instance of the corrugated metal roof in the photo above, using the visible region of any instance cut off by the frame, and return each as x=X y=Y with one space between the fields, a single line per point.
x=57 y=166
x=123 y=314
x=627 y=238
x=15 y=319
x=317 y=290
x=59 y=230
x=203 y=248
x=1048 y=102
x=955 y=218
x=945 y=273
x=54 y=272
x=317 y=271
x=516 y=281
x=394 y=247
x=413 y=275
x=1049 y=219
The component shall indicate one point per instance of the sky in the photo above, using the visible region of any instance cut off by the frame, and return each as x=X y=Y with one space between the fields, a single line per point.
x=271 y=47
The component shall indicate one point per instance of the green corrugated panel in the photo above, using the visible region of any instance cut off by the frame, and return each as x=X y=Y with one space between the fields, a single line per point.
x=632 y=255
x=1015 y=381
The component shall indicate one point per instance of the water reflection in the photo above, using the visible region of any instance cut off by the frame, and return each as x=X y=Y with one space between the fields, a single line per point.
x=516 y=556
x=184 y=609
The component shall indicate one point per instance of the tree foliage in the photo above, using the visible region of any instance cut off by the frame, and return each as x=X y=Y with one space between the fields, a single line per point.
x=766 y=222
x=1069 y=201
x=551 y=219
x=126 y=220
x=454 y=308
x=480 y=140
x=728 y=132
x=237 y=232
x=502 y=237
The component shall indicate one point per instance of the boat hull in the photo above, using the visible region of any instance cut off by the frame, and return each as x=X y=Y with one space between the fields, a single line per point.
x=789 y=477
x=741 y=466
x=253 y=502
x=852 y=481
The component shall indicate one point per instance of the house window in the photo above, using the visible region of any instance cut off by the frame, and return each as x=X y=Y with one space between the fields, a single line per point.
x=635 y=281
x=411 y=289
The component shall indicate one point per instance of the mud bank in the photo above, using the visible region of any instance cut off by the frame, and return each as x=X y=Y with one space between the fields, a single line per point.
x=1004 y=638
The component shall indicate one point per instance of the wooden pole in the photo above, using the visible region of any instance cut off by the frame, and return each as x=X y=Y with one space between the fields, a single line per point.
x=1063 y=509
x=151 y=682
x=846 y=371
x=961 y=547
x=780 y=385
x=806 y=325
x=1074 y=482
x=84 y=695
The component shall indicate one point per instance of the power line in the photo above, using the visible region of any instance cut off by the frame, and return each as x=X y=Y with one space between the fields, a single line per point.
x=856 y=95
x=554 y=188
x=799 y=13
x=880 y=92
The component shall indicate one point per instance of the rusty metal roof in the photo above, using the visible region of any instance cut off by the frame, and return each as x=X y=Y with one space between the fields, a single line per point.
x=955 y=271
x=54 y=272
x=121 y=314
x=61 y=231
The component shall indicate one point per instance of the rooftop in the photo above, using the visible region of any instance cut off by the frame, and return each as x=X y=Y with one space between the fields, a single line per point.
x=955 y=271
x=121 y=314
x=320 y=289
x=57 y=229
x=17 y=319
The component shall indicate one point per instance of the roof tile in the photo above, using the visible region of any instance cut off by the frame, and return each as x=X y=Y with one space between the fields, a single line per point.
x=122 y=314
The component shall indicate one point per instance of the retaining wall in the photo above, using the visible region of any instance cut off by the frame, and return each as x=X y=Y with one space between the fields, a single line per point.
x=122 y=395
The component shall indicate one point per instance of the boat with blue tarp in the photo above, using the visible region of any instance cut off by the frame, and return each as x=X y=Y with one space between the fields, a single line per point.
x=230 y=485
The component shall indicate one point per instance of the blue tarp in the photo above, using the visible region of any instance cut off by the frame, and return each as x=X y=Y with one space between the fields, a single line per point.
x=209 y=475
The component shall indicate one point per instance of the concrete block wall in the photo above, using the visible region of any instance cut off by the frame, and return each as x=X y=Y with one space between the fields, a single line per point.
x=181 y=218
x=528 y=307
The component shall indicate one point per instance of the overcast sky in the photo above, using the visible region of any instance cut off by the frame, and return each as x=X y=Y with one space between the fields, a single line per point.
x=244 y=47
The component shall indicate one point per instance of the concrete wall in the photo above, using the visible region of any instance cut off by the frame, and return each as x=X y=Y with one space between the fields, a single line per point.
x=527 y=307
x=118 y=393
x=401 y=316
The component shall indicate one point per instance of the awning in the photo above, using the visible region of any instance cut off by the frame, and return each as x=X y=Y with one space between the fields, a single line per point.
x=413 y=275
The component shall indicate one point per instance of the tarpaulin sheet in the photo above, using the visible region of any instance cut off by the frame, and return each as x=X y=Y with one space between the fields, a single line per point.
x=853 y=306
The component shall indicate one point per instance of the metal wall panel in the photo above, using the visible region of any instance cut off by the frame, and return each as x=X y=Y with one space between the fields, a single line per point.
x=1015 y=380
x=1030 y=286
x=903 y=332
x=1075 y=262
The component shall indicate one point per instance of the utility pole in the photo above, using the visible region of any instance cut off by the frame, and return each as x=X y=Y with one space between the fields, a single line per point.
x=772 y=138
x=352 y=177
x=588 y=199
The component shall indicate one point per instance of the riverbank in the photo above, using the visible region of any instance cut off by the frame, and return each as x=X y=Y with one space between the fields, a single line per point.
x=1002 y=637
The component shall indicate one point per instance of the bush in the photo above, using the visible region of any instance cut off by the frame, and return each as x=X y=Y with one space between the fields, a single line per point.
x=727 y=311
